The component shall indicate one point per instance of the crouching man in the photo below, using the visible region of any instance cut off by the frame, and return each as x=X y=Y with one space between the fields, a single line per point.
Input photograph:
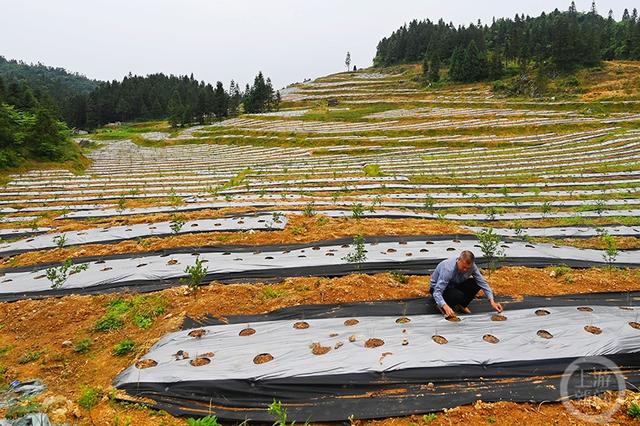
x=455 y=283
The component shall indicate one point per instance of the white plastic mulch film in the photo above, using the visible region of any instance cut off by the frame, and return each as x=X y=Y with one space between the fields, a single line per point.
x=316 y=347
x=154 y=268
x=121 y=233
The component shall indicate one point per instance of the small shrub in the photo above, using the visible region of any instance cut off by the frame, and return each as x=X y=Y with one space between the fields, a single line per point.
x=204 y=421
x=196 y=272
x=174 y=199
x=357 y=211
x=122 y=203
x=123 y=347
x=176 y=224
x=59 y=275
x=359 y=254
x=429 y=202
x=520 y=234
x=29 y=357
x=490 y=247
x=491 y=212
x=309 y=209
x=83 y=346
x=60 y=240
x=611 y=249
x=377 y=201
x=400 y=277
x=89 y=397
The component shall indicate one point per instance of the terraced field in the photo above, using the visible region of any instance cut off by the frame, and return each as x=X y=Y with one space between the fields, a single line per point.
x=352 y=192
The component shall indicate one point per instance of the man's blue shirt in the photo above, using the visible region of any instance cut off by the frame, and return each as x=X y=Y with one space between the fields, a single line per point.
x=447 y=272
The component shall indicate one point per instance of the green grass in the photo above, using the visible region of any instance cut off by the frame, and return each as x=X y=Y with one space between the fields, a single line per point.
x=89 y=397
x=123 y=347
x=428 y=418
x=372 y=170
x=140 y=310
x=131 y=130
x=399 y=277
x=18 y=410
x=5 y=349
x=30 y=357
x=203 y=421
x=269 y=292
x=83 y=346
x=634 y=410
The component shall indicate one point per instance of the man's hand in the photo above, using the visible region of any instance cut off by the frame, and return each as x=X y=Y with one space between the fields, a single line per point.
x=496 y=306
x=448 y=312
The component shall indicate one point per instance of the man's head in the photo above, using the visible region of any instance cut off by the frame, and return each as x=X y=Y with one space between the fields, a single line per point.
x=465 y=261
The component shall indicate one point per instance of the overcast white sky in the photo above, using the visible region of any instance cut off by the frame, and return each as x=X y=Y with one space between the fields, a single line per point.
x=288 y=40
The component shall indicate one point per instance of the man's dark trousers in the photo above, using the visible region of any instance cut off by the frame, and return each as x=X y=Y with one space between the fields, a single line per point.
x=460 y=294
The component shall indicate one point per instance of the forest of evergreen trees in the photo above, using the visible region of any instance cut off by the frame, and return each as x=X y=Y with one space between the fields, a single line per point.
x=562 y=40
x=39 y=104
x=183 y=100
x=29 y=127
x=62 y=86
x=83 y=103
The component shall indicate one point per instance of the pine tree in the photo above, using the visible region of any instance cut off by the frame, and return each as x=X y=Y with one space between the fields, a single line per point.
x=475 y=63
x=175 y=110
x=220 y=101
x=456 y=72
x=425 y=67
x=123 y=109
x=260 y=97
x=278 y=101
x=46 y=136
x=434 y=69
x=572 y=7
x=495 y=67
x=235 y=98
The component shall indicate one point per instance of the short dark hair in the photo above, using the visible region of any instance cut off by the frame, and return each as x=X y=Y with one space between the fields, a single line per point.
x=467 y=256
